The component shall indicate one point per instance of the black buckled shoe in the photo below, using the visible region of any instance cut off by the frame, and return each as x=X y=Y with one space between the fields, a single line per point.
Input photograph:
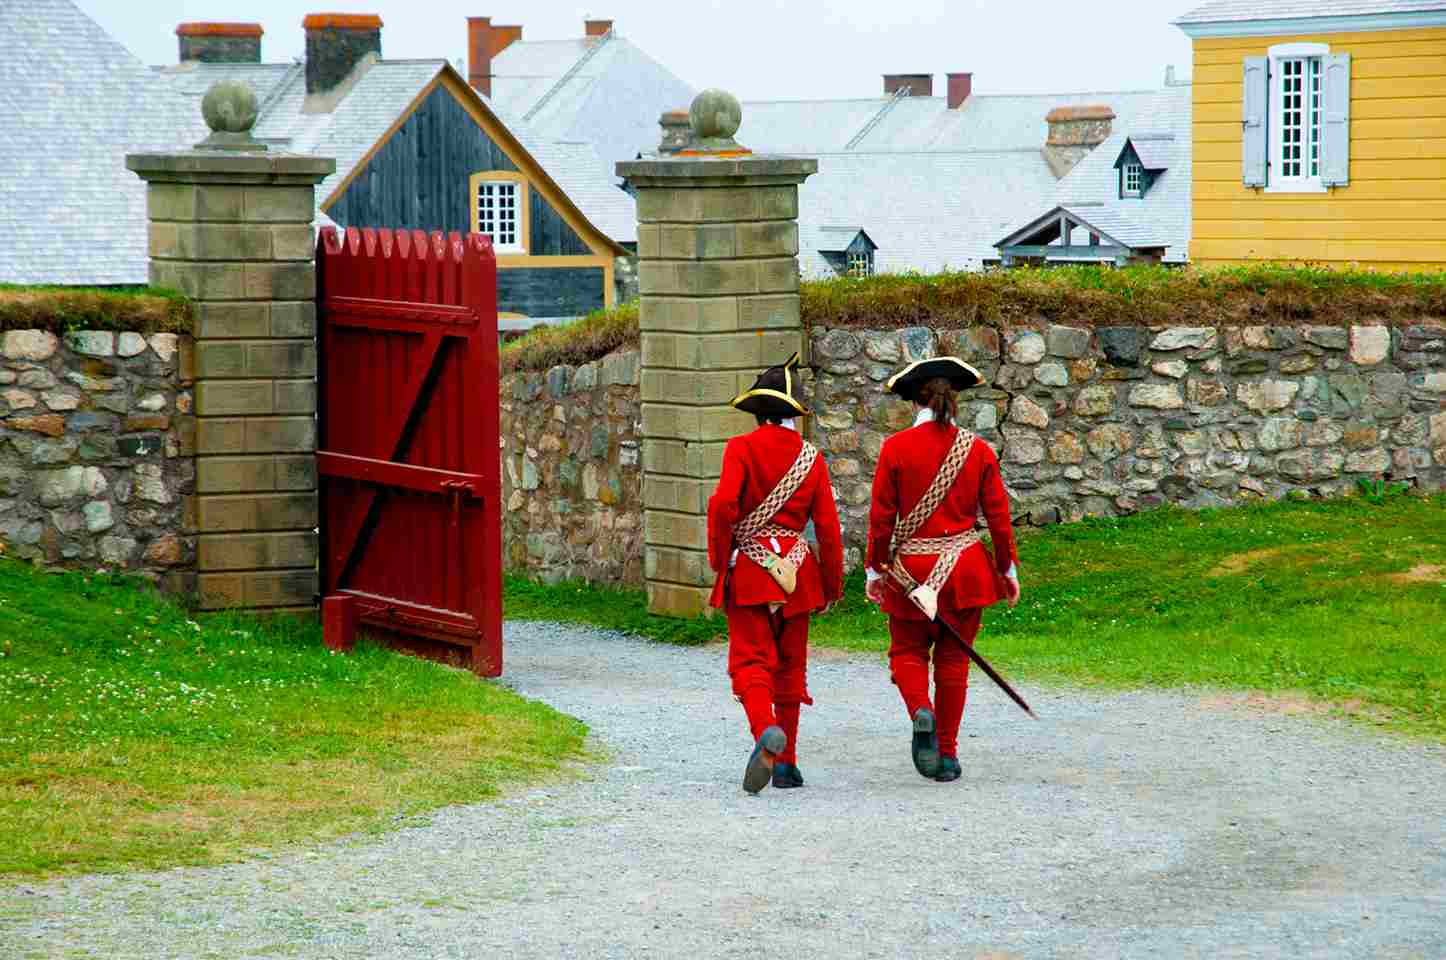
x=926 y=744
x=786 y=776
x=760 y=763
x=948 y=770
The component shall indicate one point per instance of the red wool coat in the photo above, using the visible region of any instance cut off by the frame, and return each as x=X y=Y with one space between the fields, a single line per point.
x=908 y=463
x=752 y=466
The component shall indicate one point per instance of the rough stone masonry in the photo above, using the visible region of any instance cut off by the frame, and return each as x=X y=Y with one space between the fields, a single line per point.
x=95 y=464
x=1088 y=422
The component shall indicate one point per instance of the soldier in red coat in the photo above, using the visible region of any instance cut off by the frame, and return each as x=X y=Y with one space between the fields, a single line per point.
x=769 y=582
x=925 y=559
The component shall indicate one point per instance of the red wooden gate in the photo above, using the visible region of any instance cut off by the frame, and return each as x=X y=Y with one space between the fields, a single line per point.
x=410 y=475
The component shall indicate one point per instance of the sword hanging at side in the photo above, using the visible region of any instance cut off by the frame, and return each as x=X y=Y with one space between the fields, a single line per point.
x=941 y=617
x=984 y=665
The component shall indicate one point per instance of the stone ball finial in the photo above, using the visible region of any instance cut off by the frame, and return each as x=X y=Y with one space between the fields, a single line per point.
x=715 y=115
x=229 y=107
x=230 y=111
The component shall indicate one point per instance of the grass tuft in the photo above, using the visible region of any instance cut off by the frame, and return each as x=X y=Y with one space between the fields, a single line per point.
x=63 y=309
x=132 y=736
x=1143 y=295
x=1078 y=295
x=589 y=338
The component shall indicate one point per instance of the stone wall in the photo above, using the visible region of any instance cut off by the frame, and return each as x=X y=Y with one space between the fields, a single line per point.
x=571 y=471
x=95 y=458
x=1120 y=419
x=1087 y=423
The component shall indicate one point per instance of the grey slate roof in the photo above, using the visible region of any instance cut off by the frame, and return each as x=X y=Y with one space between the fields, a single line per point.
x=73 y=103
x=1164 y=211
x=383 y=92
x=987 y=122
x=926 y=211
x=602 y=91
x=1218 y=11
x=1155 y=152
x=936 y=188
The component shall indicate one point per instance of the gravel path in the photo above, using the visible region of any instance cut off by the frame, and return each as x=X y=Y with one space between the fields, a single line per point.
x=1122 y=825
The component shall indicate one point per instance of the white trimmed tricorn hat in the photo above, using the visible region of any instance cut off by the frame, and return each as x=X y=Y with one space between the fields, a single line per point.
x=774 y=393
x=961 y=376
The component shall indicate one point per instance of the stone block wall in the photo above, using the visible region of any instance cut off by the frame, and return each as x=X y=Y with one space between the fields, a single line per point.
x=572 y=473
x=233 y=232
x=1119 y=419
x=718 y=275
x=1087 y=422
x=95 y=451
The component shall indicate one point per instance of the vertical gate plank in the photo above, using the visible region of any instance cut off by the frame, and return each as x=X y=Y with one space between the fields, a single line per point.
x=409 y=364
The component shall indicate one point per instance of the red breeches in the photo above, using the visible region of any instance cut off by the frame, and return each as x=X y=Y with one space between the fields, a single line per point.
x=910 y=644
x=768 y=663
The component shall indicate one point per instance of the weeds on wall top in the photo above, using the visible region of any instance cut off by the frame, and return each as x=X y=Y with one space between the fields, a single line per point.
x=1080 y=296
x=63 y=310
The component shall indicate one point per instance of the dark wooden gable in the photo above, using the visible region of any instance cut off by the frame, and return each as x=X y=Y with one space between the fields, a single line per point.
x=419 y=179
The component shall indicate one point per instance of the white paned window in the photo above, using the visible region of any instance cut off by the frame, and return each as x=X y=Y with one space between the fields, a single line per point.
x=861 y=264
x=1299 y=145
x=1132 y=182
x=498 y=215
x=1297 y=80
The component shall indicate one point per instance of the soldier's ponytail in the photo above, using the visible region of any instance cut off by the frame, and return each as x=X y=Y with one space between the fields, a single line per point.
x=938 y=395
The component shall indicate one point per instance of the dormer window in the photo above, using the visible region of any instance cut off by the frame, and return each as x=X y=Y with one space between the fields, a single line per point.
x=1142 y=160
x=1132 y=180
x=848 y=251
x=861 y=264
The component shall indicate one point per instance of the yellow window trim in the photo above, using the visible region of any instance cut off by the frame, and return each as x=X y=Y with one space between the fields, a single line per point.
x=517 y=261
x=524 y=206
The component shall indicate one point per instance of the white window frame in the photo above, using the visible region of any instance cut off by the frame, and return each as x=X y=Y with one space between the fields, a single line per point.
x=508 y=194
x=1311 y=56
x=1138 y=190
x=860 y=265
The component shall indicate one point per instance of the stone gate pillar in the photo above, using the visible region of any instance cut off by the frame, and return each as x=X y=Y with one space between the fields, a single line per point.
x=718 y=271
x=231 y=227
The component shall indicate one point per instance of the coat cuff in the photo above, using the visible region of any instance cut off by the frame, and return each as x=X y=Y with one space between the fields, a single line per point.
x=872 y=574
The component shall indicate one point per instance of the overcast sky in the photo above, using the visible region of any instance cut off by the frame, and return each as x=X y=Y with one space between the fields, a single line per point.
x=758 y=49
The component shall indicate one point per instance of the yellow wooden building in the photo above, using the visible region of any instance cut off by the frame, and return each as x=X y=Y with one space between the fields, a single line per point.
x=1319 y=131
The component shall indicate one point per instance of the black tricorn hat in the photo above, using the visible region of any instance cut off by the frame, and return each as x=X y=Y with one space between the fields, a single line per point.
x=961 y=376
x=773 y=393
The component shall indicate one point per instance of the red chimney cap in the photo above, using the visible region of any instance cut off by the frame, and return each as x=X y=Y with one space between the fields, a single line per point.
x=1096 y=111
x=219 y=30
x=342 y=21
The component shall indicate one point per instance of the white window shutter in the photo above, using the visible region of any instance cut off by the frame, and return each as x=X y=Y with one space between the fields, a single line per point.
x=1335 y=170
x=1256 y=106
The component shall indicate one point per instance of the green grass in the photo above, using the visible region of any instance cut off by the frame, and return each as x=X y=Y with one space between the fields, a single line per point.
x=134 y=737
x=586 y=338
x=1081 y=295
x=63 y=309
x=602 y=606
x=1316 y=601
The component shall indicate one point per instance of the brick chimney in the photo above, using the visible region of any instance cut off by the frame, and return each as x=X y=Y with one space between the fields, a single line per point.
x=597 y=28
x=917 y=84
x=485 y=41
x=960 y=86
x=677 y=132
x=1073 y=133
x=220 y=42
x=335 y=44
